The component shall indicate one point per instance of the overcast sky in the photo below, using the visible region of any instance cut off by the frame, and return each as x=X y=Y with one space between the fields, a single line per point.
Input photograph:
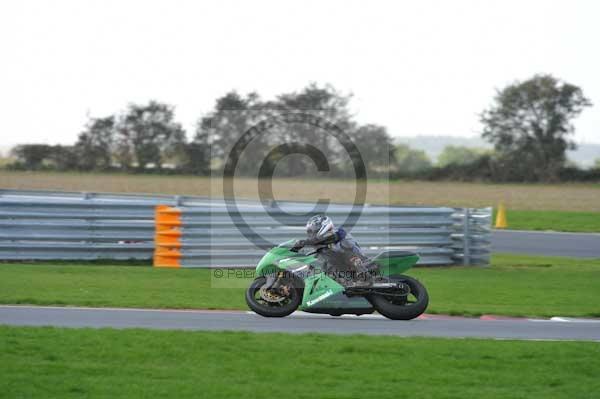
x=426 y=67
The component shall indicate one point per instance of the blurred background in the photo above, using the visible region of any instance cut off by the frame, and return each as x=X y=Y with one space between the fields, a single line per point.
x=83 y=82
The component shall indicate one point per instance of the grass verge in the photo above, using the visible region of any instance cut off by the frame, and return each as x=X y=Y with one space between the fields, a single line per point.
x=69 y=363
x=581 y=222
x=514 y=285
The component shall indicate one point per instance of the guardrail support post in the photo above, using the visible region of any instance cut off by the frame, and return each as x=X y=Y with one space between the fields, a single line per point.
x=466 y=237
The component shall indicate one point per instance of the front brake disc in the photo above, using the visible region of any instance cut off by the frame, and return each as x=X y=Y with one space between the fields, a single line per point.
x=270 y=296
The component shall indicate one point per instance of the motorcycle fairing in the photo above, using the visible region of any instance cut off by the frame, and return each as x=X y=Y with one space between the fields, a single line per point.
x=318 y=288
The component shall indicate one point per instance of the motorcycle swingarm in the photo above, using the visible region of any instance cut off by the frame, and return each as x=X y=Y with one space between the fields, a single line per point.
x=396 y=289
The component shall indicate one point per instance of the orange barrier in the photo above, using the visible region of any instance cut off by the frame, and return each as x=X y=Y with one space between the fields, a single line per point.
x=167 y=237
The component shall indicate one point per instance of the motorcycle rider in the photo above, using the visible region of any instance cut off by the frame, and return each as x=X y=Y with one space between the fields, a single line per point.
x=321 y=231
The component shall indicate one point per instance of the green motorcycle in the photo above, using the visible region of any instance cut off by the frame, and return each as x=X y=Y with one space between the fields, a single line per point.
x=288 y=280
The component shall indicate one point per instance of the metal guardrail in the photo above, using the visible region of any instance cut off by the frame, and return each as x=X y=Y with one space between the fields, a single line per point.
x=472 y=235
x=76 y=226
x=66 y=225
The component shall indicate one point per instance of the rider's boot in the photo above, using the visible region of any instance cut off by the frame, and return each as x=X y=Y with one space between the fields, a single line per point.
x=362 y=279
x=359 y=283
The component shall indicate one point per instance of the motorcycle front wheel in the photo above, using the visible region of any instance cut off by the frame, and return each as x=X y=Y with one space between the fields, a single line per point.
x=402 y=308
x=268 y=304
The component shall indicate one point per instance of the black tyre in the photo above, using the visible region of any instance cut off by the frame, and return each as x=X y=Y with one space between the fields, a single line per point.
x=265 y=308
x=404 y=308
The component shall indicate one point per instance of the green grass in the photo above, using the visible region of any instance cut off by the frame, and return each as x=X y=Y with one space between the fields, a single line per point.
x=588 y=222
x=92 y=285
x=514 y=285
x=74 y=363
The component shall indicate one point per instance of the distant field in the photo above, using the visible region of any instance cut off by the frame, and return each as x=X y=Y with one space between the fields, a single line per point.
x=75 y=363
x=535 y=197
x=514 y=285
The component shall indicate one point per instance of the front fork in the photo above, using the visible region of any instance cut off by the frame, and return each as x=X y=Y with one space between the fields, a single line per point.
x=275 y=282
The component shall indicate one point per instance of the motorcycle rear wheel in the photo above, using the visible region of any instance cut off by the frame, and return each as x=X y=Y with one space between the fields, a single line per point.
x=271 y=309
x=399 y=309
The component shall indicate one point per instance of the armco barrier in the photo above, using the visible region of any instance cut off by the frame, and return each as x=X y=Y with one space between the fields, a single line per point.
x=208 y=237
x=182 y=231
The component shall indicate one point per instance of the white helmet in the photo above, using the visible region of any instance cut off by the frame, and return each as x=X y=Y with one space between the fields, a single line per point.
x=319 y=226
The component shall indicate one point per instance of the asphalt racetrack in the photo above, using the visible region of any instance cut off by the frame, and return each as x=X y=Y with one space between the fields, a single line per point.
x=299 y=322
x=577 y=245
x=527 y=242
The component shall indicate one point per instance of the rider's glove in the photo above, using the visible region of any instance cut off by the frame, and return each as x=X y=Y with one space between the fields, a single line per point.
x=298 y=245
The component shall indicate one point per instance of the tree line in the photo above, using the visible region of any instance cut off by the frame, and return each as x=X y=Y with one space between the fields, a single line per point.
x=530 y=124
